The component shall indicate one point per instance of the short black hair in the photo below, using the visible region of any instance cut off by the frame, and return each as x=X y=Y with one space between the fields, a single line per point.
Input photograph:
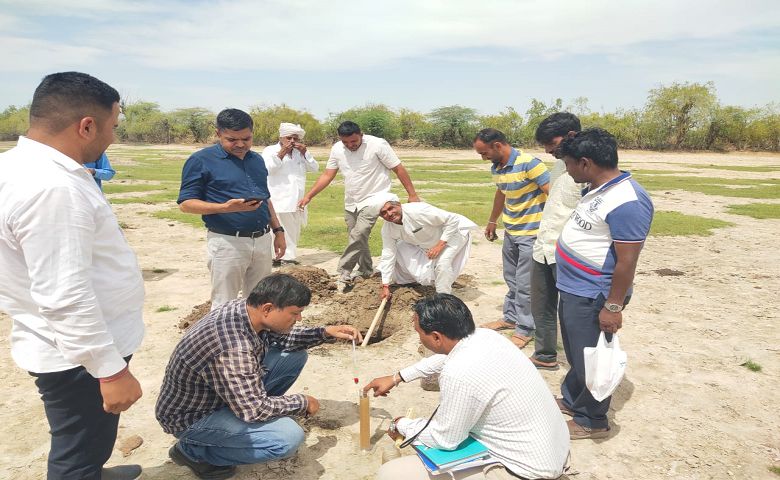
x=234 y=119
x=490 y=135
x=446 y=314
x=557 y=125
x=67 y=97
x=596 y=144
x=280 y=290
x=348 y=128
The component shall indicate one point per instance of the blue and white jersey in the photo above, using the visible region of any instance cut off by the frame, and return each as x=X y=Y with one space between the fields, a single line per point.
x=618 y=211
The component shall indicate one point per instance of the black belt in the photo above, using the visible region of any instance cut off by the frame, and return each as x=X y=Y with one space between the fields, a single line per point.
x=239 y=233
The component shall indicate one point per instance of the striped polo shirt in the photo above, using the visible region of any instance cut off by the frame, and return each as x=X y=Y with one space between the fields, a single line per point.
x=520 y=181
x=618 y=211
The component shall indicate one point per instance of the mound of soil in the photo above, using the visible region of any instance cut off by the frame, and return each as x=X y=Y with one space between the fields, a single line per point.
x=356 y=307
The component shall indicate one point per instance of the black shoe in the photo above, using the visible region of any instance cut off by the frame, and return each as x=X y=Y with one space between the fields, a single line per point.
x=122 y=472
x=290 y=262
x=276 y=263
x=202 y=470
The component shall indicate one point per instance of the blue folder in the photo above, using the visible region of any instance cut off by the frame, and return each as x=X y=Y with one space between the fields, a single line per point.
x=435 y=459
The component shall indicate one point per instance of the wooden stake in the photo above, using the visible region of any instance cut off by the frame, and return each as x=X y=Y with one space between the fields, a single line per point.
x=373 y=323
x=365 y=423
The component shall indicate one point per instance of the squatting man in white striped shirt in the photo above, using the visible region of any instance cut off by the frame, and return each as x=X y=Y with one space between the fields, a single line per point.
x=489 y=390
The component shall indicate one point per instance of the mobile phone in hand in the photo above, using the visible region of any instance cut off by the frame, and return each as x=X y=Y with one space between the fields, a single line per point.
x=253 y=199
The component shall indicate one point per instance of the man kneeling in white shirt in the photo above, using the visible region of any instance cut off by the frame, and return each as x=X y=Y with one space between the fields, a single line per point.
x=489 y=390
x=422 y=244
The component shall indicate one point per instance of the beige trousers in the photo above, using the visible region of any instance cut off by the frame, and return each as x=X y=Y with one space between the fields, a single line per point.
x=292 y=223
x=410 y=467
x=236 y=264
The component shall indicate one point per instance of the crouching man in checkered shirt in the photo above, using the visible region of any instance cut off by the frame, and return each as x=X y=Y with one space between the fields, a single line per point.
x=489 y=390
x=223 y=395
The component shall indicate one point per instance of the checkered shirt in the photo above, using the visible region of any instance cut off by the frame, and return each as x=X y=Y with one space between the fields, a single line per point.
x=219 y=362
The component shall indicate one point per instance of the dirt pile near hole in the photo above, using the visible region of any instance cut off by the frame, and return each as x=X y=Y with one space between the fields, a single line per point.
x=319 y=282
x=356 y=307
x=198 y=312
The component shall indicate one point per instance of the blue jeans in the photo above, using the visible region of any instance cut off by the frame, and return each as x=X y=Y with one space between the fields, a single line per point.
x=516 y=254
x=223 y=439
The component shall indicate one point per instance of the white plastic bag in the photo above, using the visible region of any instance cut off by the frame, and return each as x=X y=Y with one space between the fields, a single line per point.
x=605 y=365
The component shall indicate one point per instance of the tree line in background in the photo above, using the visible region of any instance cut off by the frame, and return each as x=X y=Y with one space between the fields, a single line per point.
x=680 y=116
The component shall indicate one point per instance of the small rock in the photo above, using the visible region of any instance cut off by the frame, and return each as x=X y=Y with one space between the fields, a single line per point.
x=128 y=444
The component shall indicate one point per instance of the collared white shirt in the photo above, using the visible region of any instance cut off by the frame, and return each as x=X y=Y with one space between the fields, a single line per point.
x=69 y=281
x=490 y=390
x=366 y=171
x=563 y=197
x=422 y=225
x=287 y=177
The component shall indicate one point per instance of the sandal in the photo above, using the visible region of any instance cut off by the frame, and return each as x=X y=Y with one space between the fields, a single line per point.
x=498 y=325
x=520 y=341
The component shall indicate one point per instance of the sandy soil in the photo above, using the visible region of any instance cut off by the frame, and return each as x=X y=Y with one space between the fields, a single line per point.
x=686 y=408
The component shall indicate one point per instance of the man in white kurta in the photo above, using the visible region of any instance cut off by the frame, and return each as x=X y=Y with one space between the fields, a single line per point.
x=287 y=163
x=423 y=244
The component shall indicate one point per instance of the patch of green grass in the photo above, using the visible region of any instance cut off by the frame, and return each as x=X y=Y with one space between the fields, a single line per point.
x=166 y=308
x=155 y=198
x=726 y=187
x=774 y=469
x=177 y=215
x=668 y=224
x=751 y=365
x=656 y=172
x=738 y=168
x=110 y=188
x=756 y=210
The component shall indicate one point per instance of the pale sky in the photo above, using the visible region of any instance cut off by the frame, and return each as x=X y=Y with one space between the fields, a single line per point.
x=327 y=56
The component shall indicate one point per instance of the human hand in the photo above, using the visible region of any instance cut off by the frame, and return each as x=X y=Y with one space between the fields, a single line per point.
x=490 y=231
x=385 y=292
x=303 y=202
x=280 y=245
x=380 y=385
x=301 y=147
x=118 y=395
x=413 y=197
x=313 y=405
x=610 y=322
x=344 y=332
x=240 y=205
x=435 y=250
x=392 y=430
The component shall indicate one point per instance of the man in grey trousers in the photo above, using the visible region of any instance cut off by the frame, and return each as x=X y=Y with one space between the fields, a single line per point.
x=366 y=162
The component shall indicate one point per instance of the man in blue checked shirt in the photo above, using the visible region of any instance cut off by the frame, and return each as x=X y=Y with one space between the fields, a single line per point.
x=224 y=392
x=227 y=184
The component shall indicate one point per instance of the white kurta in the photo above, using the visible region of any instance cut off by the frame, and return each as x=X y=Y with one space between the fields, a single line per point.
x=287 y=184
x=404 y=247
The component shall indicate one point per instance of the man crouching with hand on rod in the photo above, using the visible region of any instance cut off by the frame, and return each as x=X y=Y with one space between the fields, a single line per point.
x=489 y=390
x=223 y=396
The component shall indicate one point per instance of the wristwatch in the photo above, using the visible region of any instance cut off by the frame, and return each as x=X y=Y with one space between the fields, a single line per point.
x=613 y=307
x=279 y=229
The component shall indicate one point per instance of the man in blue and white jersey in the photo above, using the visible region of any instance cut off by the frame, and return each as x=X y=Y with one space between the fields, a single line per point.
x=596 y=255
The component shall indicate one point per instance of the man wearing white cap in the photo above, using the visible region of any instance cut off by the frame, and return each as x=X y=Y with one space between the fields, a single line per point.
x=287 y=163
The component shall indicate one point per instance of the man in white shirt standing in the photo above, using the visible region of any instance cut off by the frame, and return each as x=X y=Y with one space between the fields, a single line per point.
x=422 y=244
x=563 y=197
x=70 y=281
x=489 y=390
x=366 y=162
x=287 y=163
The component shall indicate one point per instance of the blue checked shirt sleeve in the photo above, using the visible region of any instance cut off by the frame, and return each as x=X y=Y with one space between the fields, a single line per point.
x=238 y=380
x=299 y=338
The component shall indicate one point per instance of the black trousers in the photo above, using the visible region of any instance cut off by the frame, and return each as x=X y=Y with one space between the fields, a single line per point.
x=82 y=433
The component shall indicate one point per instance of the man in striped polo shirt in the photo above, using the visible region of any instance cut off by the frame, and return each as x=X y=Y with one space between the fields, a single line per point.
x=522 y=182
